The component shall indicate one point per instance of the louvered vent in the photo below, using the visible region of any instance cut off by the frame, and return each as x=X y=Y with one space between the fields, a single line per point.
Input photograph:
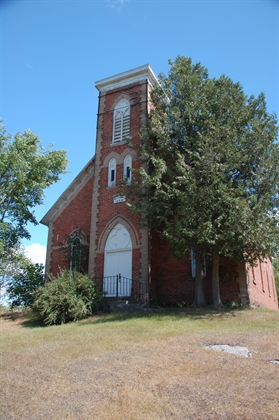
x=121 y=129
x=117 y=129
x=126 y=126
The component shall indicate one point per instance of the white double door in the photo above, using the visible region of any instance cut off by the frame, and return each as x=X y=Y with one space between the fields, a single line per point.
x=118 y=263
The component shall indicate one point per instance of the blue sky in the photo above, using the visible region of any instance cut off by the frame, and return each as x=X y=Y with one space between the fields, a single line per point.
x=52 y=52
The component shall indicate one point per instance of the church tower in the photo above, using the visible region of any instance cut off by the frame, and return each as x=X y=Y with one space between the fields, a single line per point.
x=118 y=244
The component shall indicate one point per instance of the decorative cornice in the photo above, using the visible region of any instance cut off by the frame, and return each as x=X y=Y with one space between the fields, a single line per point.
x=138 y=74
x=73 y=189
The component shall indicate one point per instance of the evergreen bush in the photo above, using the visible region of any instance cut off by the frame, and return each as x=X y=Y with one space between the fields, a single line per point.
x=68 y=297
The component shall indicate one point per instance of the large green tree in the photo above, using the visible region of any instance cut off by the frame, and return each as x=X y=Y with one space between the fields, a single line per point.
x=26 y=169
x=210 y=174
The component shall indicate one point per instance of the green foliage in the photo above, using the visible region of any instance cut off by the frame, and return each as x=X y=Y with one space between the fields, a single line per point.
x=26 y=169
x=11 y=264
x=234 y=305
x=23 y=283
x=68 y=297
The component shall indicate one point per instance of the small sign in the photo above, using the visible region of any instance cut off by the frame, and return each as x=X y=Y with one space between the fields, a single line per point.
x=119 y=199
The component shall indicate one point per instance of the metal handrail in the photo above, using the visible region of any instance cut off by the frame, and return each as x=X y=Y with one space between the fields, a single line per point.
x=122 y=287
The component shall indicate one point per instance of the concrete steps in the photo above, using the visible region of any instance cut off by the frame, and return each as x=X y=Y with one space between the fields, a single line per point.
x=124 y=306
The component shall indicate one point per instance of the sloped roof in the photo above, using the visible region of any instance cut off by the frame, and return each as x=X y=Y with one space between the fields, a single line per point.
x=67 y=196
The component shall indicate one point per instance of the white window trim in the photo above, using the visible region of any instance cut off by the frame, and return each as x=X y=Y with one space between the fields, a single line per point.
x=112 y=173
x=127 y=164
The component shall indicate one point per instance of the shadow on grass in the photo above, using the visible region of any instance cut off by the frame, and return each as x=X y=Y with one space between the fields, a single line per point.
x=29 y=319
x=25 y=318
x=193 y=313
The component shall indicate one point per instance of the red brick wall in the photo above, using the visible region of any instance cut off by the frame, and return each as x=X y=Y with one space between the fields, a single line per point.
x=262 y=285
x=172 y=280
x=77 y=215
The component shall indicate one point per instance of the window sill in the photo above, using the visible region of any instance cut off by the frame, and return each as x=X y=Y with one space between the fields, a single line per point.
x=119 y=143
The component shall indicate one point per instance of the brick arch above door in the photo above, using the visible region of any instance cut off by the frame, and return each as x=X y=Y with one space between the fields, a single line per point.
x=109 y=227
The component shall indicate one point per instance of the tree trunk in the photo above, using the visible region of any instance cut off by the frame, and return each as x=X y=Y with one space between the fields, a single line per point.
x=215 y=280
x=199 y=294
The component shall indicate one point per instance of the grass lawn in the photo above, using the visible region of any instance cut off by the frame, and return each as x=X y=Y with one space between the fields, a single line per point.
x=143 y=365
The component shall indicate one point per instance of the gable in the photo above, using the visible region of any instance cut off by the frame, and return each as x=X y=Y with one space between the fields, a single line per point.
x=70 y=193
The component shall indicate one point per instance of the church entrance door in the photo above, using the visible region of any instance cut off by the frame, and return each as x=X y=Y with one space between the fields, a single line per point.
x=118 y=262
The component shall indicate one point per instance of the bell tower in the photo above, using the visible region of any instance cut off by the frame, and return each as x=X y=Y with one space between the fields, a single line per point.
x=118 y=244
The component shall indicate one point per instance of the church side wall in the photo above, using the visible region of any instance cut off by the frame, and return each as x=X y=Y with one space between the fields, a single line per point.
x=261 y=285
x=172 y=280
x=75 y=216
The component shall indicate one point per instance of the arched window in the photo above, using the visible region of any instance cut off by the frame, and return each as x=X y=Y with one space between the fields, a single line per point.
x=112 y=173
x=75 y=255
x=121 y=121
x=127 y=175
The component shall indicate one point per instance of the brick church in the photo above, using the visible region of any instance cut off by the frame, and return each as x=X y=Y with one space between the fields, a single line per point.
x=127 y=259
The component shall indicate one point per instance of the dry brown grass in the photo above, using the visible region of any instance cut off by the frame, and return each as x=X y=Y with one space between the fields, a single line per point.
x=141 y=367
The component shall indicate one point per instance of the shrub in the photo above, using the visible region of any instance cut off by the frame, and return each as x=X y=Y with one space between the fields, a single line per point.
x=68 y=297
